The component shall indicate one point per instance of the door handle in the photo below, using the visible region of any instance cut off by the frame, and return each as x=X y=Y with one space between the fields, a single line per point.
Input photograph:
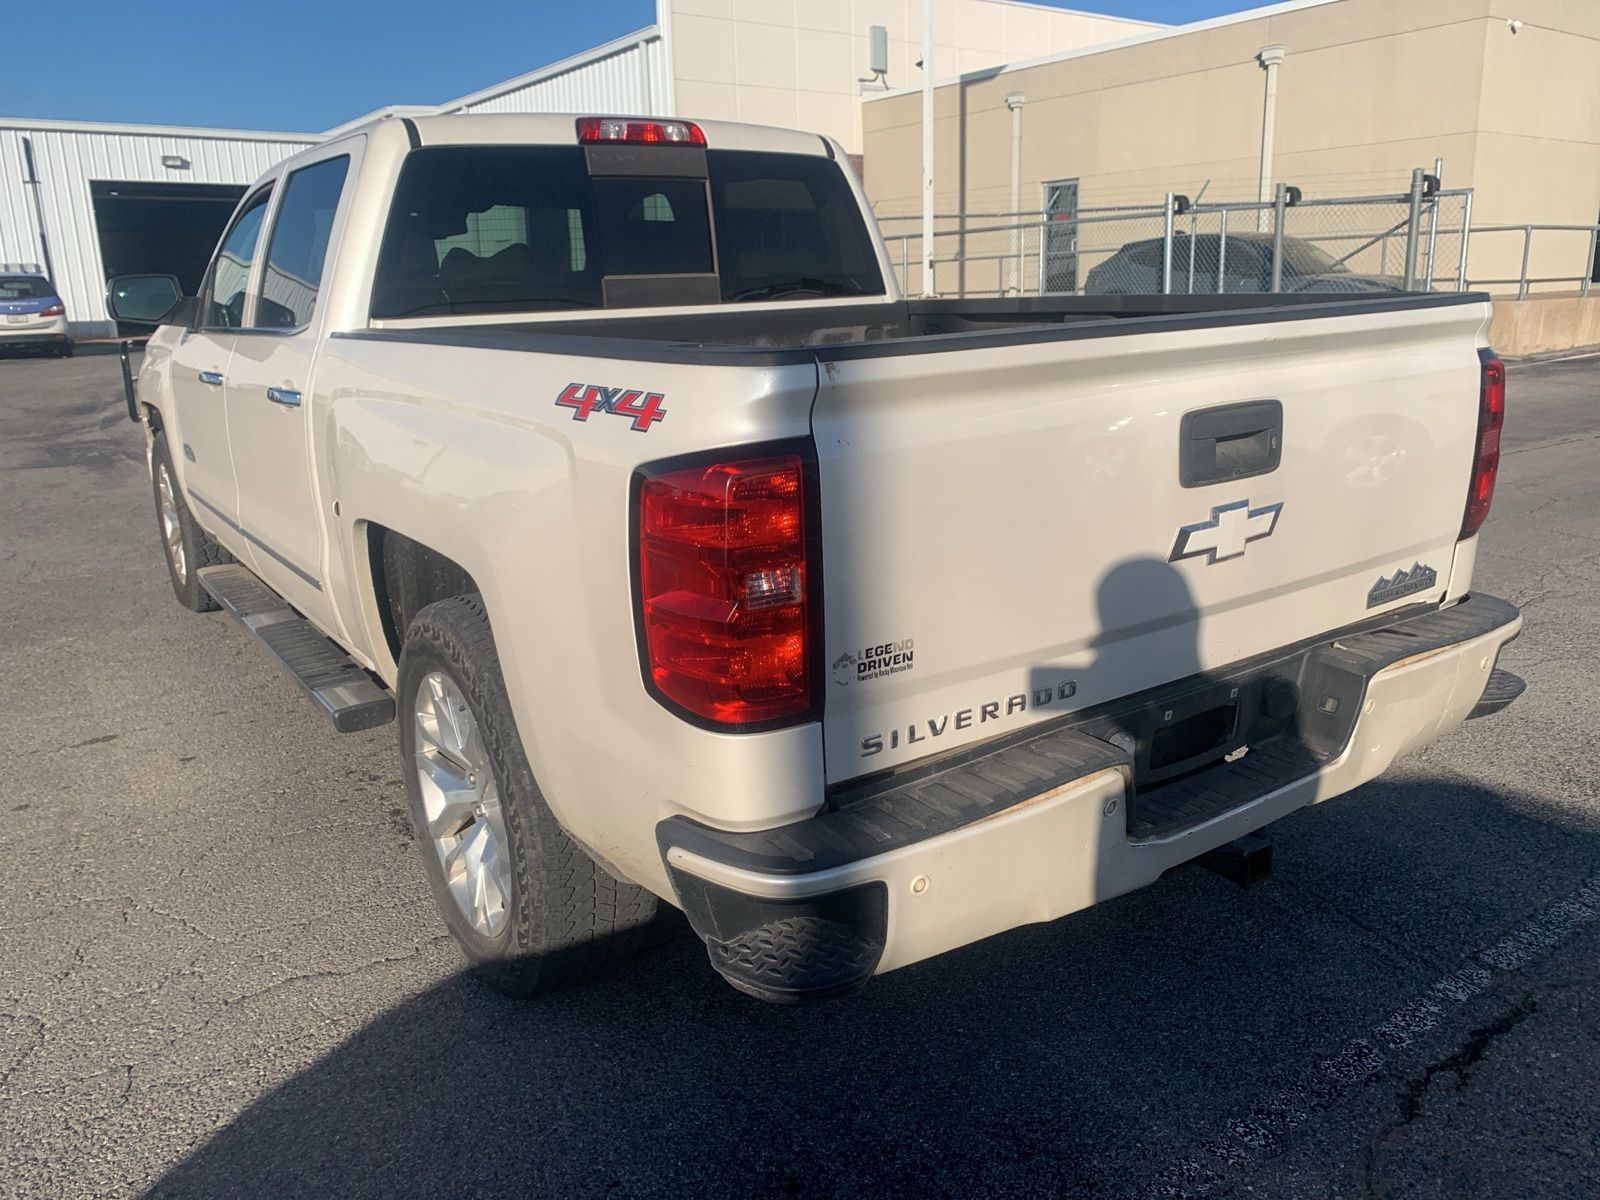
x=1229 y=442
x=214 y=378
x=287 y=397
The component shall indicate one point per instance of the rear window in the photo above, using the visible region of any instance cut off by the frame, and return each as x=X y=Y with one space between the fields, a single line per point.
x=25 y=287
x=526 y=229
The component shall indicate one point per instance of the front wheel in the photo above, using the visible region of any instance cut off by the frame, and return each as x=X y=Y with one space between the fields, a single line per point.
x=528 y=907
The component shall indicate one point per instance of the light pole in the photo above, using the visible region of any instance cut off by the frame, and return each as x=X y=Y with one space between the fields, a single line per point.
x=1269 y=58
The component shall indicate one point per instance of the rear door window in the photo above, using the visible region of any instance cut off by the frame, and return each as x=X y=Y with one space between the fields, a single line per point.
x=299 y=245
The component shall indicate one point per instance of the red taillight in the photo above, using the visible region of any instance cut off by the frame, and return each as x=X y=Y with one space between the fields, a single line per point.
x=1486 y=458
x=634 y=131
x=55 y=310
x=723 y=589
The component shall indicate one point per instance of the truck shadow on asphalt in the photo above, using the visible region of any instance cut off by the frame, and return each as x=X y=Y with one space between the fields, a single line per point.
x=1076 y=1057
x=1083 y=1056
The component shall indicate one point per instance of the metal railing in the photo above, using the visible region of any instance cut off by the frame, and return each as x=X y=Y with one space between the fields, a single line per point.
x=1523 y=280
x=1416 y=240
x=1413 y=240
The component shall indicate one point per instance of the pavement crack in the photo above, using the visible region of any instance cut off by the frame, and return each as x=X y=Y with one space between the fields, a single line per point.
x=1459 y=1063
x=308 y=976
x=34 y=1046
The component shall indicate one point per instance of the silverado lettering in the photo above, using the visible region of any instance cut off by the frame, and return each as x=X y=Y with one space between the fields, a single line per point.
x=1041 y=697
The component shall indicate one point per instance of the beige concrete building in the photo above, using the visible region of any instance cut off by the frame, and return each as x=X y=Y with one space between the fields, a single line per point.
x=806 y=64
x=1506 y=92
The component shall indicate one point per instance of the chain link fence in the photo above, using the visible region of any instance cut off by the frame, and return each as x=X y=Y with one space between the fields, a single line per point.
x=1409 y=241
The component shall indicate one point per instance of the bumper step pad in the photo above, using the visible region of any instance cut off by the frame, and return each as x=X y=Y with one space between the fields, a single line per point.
x=1219 y=789
x=352 y=699
x=1503 y=688
x=797 y=958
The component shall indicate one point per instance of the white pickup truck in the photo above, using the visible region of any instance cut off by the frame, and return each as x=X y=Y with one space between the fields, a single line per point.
x=700 y=566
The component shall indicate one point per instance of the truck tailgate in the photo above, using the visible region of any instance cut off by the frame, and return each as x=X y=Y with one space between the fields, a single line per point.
x=1006 y=536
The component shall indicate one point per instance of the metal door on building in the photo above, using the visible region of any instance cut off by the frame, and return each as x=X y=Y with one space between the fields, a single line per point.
x=1058 y=248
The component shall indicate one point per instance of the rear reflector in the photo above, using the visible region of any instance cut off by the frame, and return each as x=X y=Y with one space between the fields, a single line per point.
x=1486 y=456
x=723 y=590
x=637 y=132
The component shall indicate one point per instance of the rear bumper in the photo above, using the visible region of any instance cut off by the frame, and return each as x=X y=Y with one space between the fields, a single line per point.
x=50 y=333
x=1040 y=827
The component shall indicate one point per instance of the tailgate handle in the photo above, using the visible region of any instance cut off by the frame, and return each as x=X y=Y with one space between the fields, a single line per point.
x=1230 y=442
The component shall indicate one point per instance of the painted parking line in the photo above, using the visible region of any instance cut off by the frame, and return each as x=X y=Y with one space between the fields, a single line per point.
x=1241 y=1143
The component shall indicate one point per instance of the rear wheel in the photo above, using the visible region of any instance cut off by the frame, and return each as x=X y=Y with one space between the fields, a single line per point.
x=185 y=545
x=528 y=907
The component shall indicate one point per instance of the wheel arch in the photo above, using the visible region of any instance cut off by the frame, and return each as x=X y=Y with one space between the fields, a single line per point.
x=407 y=576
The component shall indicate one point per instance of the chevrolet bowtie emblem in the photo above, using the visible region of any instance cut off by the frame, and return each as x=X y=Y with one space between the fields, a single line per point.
x=1225 y=535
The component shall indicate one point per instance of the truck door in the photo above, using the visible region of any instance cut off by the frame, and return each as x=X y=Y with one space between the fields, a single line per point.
x=199 y=372
x=269 y=386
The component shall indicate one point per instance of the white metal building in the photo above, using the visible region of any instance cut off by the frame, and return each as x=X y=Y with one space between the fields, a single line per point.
x=145 y=197
x=92 y=200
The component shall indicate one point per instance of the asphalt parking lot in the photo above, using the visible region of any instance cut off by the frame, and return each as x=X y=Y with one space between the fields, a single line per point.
x=221 y=973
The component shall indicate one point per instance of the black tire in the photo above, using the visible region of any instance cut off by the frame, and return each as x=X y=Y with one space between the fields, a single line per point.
x=66 y=350
x=199 y=550
x=568 y=919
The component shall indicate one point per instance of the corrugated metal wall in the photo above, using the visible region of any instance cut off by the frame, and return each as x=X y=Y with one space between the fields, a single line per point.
x=18 y=241
x=632 y=79
x=67 y=160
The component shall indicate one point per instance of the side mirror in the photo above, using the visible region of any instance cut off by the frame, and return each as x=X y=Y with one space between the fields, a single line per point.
x=143 y=299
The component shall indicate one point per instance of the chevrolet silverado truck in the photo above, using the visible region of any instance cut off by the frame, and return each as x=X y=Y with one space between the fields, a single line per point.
x=698 y=566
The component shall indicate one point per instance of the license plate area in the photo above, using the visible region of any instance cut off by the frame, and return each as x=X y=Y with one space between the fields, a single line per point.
x=17 y=318
x=1189 y=729
x=1204 y=745
x=1199 y=737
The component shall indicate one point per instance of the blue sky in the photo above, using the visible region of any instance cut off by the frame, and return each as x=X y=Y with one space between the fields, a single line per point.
x=300 y=65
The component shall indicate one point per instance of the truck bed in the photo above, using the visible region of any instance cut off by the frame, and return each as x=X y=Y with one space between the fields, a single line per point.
x=1002 y=485
x=796 y=334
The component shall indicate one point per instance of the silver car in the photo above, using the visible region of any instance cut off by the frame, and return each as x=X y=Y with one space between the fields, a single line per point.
x=32 y=315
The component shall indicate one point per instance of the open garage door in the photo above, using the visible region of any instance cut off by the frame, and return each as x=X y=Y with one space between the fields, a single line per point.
x=166 y=228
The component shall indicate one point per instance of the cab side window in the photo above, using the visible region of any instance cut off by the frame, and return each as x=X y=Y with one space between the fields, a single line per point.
x=222 y=298
x=299 y=245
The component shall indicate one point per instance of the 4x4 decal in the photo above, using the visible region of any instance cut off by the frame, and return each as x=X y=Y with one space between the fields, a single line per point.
x=584 y=398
